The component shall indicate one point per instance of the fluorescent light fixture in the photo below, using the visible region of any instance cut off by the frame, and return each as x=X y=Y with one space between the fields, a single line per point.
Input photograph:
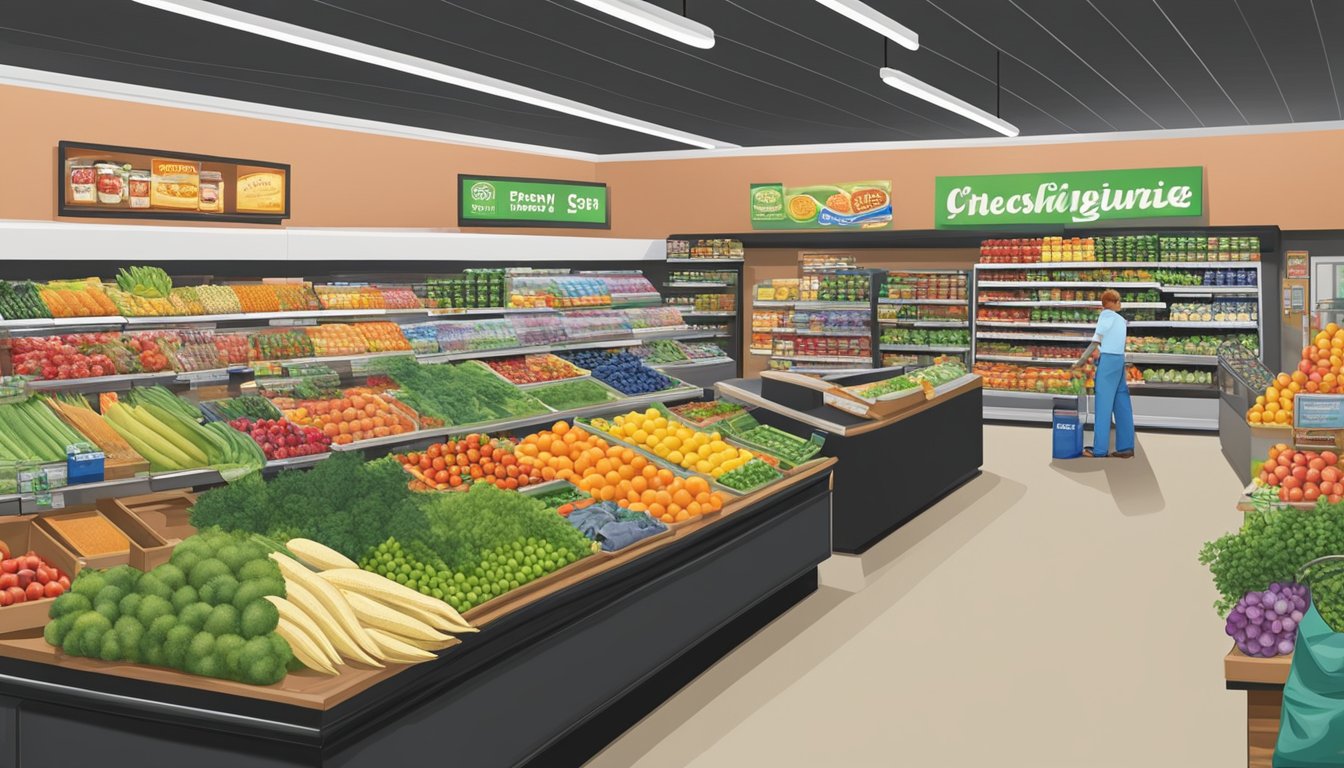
x=412 y=65
x=915 y=87
x=873 y=19
x=656 y=19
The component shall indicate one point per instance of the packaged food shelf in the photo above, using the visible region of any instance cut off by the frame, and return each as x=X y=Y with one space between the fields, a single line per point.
x=1248 y=325
x=1030 y=336
x=1209 y=290
x=680 y=260
x=1026 y=359
x=685 y=284
x=1121 y=264
x=1024 y=284
x=944 y=302
x=1093 y=304
x=824 y=358
x=832 y=332
x=1157 y=358
x=1011 y=324
x=922 y=348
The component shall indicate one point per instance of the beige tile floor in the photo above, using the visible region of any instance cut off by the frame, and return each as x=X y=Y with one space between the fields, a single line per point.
x=1045 y=615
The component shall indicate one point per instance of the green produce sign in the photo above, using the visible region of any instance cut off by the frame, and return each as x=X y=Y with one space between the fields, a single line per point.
x=854 y=205
x=502 y=201
x=1068 y=198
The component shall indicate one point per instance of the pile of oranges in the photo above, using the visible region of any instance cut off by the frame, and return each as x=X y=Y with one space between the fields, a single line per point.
x=473 y=459
x=347 y=419
x=1321 y=371
x=615 y=473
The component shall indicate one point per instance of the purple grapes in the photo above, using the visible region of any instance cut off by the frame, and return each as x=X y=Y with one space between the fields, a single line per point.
x=1265 y=623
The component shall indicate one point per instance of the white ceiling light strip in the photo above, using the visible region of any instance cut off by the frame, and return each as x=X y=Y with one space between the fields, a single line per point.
x=875 y=20
x=657 y=20
x=412 y=65
x=916 y=87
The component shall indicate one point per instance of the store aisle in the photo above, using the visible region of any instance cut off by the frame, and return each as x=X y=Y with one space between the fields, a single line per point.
x=1044 y=615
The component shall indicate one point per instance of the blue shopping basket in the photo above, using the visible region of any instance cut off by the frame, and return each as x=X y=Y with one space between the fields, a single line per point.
x=1066 y=427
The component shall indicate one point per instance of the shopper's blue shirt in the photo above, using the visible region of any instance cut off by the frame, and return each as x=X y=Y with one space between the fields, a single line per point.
x=1110 y=332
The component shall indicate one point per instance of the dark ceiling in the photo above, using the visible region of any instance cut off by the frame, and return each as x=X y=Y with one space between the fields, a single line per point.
x=782 y=71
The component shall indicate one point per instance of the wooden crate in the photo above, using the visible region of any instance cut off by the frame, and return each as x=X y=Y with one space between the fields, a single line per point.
x=21 y=534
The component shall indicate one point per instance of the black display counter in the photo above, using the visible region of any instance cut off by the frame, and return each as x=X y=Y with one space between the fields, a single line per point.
x=549 y=684
x=890 y=469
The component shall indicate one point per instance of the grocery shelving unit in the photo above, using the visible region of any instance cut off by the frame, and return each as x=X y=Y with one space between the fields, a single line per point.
x=811 y=362
x=721 y=276
x=929 y=329
x=1157 y=403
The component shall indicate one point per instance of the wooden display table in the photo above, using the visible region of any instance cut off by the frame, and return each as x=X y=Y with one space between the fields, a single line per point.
x=1262 y=680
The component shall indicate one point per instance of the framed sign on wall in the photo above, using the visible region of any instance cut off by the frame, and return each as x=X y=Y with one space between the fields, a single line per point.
x=510 y=201
x=106 y=181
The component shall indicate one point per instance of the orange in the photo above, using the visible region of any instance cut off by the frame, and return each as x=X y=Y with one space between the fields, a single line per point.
x=632 y=496
x=666 y=476
x=682 y=497
x=649 y=496
x=608 y=493
x=560 y=427
x=696 y=485
x=657 y=510
x=626 y=471
x=638 y=482
x=702 y=498
x=650 y=471
x=603 y=466
x=639 y=463
x=612 y=478
x=682 y=516
x=663 y=498
x=715 y=501
x=638 y=507
x=693 y=508
x=627 y=455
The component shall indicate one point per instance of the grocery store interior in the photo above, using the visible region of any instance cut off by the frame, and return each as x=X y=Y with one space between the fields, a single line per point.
x=649 y=383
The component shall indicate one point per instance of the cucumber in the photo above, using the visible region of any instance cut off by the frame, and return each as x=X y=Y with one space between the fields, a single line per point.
x=124 y=421
x=168 y=432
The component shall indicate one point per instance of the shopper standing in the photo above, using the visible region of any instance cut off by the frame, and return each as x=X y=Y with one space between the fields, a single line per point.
x=1112 y=393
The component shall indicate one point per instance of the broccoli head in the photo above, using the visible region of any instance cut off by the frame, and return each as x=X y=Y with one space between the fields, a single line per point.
x=228 y=648
x=151 y=608
x=70 y=603
x=160 y=627
x=150 y=584
x=264 y=568
x=109 y=610
x=219 y=590
x=56 y=630
x=205 y=571
x=129 y=632
x=130 y=604
x=176 y=645
x=109 y=594
x=184 y=596
x=251 y=591
x=86 y=634
x=223 y=620
x=186 y=561
x=262 y=663
x=194 y=615
x=110 y=649
x=259 y=618
x=123 y=576
x=88 y=583
x=169 y=574
x=237 y=555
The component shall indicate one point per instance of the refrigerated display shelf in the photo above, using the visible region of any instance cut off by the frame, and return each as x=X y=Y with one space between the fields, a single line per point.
x=1250 y=324
x=813 y=304
x=1197 y=290
x=824 y=358
x=833 y=332
x=1159 y=358
x=703 y=261
x=103 y=383
x=923 y=323
x=1023 y=284
x=707 y=314
x=1091 y=304
x=696 y=285
x=601 y=343
x=1026 y=359
x=1030 y=337
x=1123 y=265
x=943 y=302
x=921 y=348
x=1010 y=324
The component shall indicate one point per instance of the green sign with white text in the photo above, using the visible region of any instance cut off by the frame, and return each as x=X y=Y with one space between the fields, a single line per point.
x=1080 y=197
x=502 y=201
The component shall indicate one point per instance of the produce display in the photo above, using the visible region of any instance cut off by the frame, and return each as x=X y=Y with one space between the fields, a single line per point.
x=345 y=419
x=1177 y=376
x=559 y=291
x=204 y=613
x=282 y=439
x=925 y=285
x=218 y=299
x=611 y=472
x=475 y=458
x=705 y=302
x=704 y=413
x=335 y=339
x=565 y=396
x=77 y=298
x=703 y=452
x=1218 y=310
x=594 y=324
x=621 y=371
x=350 y=297
x=533 y=369
x=252 y=407
x=1303 y=476
x=1319 y=371
x=72 y=356
x=280 y=344
x=474 y=289
x=922 y=312
x=653 y=317
x=1265 y=623
x=29 y=431
x=1243 y=359
x=1187 y=345
x=167 y=432
x=932 y=376
x=567 y=495
x=75 y=410
x=613 y=527
x=27 y=577
x=777 y=442
x=382 y=337
x=834 y=286
x=1018 y=378
x=927 y=337
x=701 y=350
x=90 y=535
x=21 y=301
x=1145 y=247
x=660 y=351
x=750 y=476
x=459 y=394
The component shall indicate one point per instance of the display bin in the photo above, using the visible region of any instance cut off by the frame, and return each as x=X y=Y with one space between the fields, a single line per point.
x=1240 y=380
x=144 y=546
x=22 y=534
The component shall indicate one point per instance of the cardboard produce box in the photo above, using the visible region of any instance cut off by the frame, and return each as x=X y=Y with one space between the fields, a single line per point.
x=22 y=534
x=144 y=548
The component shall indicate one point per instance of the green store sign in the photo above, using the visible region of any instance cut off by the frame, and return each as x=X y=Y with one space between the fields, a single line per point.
x=1068 y=198
x=504 y=201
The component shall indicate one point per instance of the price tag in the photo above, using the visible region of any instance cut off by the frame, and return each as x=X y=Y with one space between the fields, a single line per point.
x=201 y=378
x=845 y=404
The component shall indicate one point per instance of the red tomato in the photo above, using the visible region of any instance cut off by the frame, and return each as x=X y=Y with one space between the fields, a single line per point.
x=17 y=594
x=1300 y=472
x=1330 y=475
x=1313 y=476
x=10 y=565
x=1300 y=460
x=35 y=591
x=1291 y=483
x=1331 y=458
x=1295 y=494
x=53 y=589
x=1333 y=498
x=1316 y=463
x=1281 y=472
x=1311 y=493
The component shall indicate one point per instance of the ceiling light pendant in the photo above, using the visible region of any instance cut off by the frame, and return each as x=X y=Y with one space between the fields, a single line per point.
x=915 y=87
x=657 y=20
x=875 y=20
x=412 y=65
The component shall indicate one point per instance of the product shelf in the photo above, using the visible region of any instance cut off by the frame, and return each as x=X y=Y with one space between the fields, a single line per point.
x=103 y=383
x=824 y=358
x=1030 y=337
x=1091 y=304
x=1025 y=284
x=922 y=348
x=696 y=285
x=940 y=302
x=1210 y=290
x=924 y=323
x=834 y=332
x=678 y=260
x=1122 y=264
x=1027 y=360
x=1158 y=358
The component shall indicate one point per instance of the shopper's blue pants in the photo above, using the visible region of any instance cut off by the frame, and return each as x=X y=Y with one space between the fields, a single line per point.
x=1112 y=398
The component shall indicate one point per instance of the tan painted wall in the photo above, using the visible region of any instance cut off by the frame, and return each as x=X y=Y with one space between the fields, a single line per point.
x=1288 y=179
x=340 y=178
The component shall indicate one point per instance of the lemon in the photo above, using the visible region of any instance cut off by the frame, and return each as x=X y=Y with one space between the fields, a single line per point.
x=717 y=445
x=672 y=442
x=640 y=436
x=660 y=423
x=660 y=451
x=744 y=454
x=703 y=466
x=703 y=451
x=660 y=434
x=652 y=413
x=675 y=457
